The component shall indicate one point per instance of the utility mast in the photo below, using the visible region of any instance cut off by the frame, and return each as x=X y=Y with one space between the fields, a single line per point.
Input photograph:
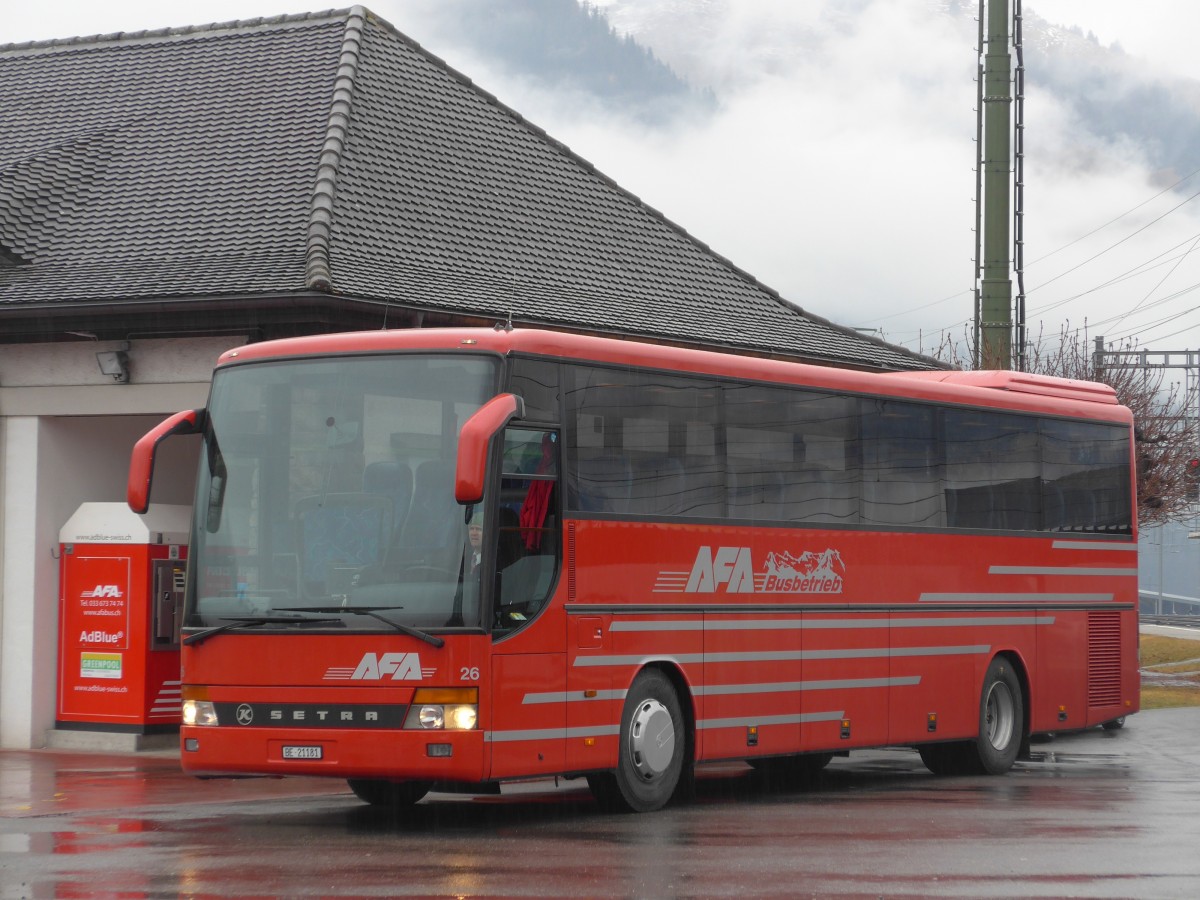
x=993 y=304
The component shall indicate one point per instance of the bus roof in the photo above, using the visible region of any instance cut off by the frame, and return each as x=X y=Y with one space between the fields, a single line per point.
x=1024 y=383
x=1004 y=389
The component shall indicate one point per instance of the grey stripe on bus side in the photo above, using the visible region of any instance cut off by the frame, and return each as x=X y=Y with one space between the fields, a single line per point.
x=782 y=686
x=1092 y=545
x=1124 y=572
x=785 y=655
x=553 y=734
x=573 y=697
x=771 y=687
x=1016 y=598
x=825 y=624
x=745 y=721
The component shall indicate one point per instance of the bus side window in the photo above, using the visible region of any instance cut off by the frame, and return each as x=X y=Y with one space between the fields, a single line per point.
x=536 y=382
x=527 y=542
x=901 y=469
x=643 y=443
x=756 y=494
x=993 y=470
x=603 y=482
x=1085 y=477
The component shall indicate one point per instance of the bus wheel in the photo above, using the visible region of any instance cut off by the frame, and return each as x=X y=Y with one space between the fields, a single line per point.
x=947 y=759
x=390 y=794
x=1001 y=727
x=650 y=763
x=1001 y=719
x=1114 y=724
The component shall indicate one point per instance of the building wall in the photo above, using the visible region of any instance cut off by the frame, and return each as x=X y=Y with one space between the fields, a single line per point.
x=66 y=432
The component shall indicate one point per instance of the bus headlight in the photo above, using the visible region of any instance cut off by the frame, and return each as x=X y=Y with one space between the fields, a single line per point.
x=199 y=712
x=461 y=717
x=432 y=716
x=452 y=709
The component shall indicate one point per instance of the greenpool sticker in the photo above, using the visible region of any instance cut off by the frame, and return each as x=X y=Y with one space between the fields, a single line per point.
x=99 y=665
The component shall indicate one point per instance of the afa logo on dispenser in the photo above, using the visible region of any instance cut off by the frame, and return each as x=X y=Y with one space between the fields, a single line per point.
x=104 y=590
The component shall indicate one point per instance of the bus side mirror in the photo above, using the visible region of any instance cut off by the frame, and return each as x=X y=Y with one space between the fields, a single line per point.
x=477 y=433
x=141 y=464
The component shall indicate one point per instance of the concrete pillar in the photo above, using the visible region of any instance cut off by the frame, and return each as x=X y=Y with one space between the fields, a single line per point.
x=29 y=611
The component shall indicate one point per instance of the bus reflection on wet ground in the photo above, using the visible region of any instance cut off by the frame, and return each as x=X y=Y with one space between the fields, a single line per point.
x=1096 y=813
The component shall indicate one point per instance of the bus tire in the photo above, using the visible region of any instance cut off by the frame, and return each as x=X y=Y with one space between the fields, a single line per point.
x=1001 y=719
x=1114 y=724
x=1001 y=730
x=388 y=794
x=947 y=759
x=653 y=746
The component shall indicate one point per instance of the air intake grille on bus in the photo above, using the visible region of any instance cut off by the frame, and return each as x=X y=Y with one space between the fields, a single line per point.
x=1104 y=658
x=571 y=562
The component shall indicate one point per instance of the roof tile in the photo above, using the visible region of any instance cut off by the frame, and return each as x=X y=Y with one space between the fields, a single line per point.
x=329 y=152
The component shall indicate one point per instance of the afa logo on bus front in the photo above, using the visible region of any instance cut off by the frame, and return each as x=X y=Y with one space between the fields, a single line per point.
x=732 y=570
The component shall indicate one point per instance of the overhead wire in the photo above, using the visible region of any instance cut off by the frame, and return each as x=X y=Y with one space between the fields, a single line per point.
x=919 y=308
x=1127 y=212
x=1116 y=244
x=1141 y=268
x=1141 y=330
x=1149 y=265
x=1163 y=337
x=1115 y=319
x=1161 y=281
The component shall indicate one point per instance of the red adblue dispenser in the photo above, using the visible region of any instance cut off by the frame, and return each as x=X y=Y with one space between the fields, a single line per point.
x=121 y=578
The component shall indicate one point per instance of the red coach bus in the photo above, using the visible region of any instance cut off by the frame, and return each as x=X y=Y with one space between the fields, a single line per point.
x=459 y=557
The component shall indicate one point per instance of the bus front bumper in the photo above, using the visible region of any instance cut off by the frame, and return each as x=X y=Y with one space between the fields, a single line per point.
x=453 y=756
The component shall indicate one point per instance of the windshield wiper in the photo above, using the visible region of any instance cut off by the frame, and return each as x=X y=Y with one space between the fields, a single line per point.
x=371 y=611
x=245 y=621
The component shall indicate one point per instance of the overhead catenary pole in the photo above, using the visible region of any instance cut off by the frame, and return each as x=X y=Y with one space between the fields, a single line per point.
x=1020 y=332
x=995 y=303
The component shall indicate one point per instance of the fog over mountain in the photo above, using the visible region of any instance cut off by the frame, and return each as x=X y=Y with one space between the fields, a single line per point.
x=827 y=147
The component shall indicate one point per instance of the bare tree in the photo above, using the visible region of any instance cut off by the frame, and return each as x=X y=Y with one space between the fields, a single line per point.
x=1165 y=433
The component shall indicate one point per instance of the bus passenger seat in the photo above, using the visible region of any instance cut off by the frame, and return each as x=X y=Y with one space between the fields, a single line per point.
x=756 y=495
x=902 y=503
x=823 y=495
x=1080 y=509
x=526 y=583
x=509 y=547
x=434 y=534
x=659 y=487
x=603 y=483
x=338 y=535
x=394 y=480
x=1054 y=508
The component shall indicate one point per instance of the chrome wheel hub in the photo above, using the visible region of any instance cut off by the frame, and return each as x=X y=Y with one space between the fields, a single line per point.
x=1000 y=716
x=651 y=739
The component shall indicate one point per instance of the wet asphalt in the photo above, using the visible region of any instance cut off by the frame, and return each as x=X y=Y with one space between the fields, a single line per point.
x=1092 y=814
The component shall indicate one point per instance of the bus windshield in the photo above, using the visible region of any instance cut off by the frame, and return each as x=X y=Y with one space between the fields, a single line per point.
x=329 y=485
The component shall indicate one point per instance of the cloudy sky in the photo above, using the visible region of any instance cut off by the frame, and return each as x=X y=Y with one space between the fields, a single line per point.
x=836 y=166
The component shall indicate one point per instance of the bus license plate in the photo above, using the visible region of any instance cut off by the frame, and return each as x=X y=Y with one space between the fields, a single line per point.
x=301 y=752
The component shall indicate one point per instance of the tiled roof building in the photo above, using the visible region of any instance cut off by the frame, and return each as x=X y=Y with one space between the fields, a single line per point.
x=323 y=172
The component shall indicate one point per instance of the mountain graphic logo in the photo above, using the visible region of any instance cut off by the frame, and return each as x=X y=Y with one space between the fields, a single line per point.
x=827 y=562
x=808 y=573
x=732 y=570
